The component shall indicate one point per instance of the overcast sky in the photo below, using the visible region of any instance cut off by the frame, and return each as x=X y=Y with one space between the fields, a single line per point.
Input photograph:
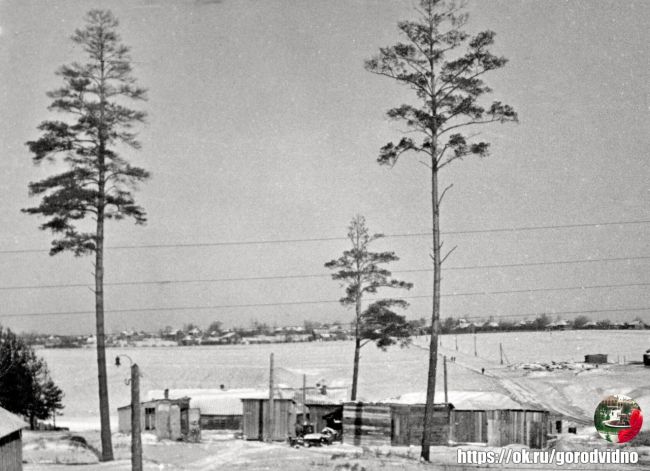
x=264 y=126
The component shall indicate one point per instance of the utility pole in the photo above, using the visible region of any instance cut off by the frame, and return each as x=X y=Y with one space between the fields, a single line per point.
x=456 y=342
x=136 y=438
x=501 y=352
x=136 y=426
x=444 y=364
x=271 y=411
x=475 y=353
x=304 y=399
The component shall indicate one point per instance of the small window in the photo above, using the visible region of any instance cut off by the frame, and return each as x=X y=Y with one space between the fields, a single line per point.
x=150 y=418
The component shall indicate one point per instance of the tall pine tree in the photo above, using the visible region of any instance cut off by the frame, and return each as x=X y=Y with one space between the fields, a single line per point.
x=444 y=66
x=98 y=183
x=361 y=271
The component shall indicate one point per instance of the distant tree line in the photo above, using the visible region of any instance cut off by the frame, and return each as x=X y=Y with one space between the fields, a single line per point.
x=541 y=322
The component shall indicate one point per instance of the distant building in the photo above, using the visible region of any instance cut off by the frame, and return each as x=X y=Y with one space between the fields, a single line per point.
x=635 y=325
x=11 y=442
x=559 y=325
x=596 y=358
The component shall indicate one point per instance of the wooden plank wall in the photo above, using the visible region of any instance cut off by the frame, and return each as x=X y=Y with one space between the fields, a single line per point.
x=408 y=424
x=367 y=424
x=284 y=419
x=401 y=425
x=255 y=419
x=527 y=427
x=252 y=419
x=469 y=426
x=11 y=452
x=501 y=427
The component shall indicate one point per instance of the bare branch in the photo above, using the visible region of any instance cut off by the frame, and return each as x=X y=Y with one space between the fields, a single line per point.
x=448 y=254
x=467 y=123
x=442 y=195
x=425 y=164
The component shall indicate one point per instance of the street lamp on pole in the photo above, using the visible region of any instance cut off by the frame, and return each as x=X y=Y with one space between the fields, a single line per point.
x=136 y=438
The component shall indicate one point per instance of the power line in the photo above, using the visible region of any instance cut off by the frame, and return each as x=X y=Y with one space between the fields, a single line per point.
x=289 y=303
x=539 y=290
x=319 y=275
x=329 y=239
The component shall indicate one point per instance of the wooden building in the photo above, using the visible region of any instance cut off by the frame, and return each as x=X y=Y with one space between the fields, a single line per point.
x=256 y=418
x=408 y=424
x=367 y=424
x=380 y=424
x=171 y=419
x=11 y=442
x=502 y=427
x=324 y=412
x=596 y=358
x=219 y=412
x=221 y=409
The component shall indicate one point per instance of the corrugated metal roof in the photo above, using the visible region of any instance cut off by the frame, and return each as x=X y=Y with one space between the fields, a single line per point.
x=9 y=423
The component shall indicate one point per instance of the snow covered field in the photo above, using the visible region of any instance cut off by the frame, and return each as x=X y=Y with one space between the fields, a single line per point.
x=382 y=374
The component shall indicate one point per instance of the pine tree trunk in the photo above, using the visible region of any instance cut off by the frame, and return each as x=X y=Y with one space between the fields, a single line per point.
x=435 y=319
x=104 y=407
x=104 y=411
x=357 y=349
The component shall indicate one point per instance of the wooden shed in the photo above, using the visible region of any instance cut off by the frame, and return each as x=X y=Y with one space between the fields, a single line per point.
x=11 y=442
x=256 y=418
x=501 y=427
x=408 y=424
x=367 y=424
x=221 y=409
x=380 y=424
x=219 y=412
x=171 y=419
x=469 y=426
x=596 y=358
x=324 y=412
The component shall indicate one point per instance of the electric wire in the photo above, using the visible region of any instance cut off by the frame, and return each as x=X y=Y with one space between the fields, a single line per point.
x=328 y=239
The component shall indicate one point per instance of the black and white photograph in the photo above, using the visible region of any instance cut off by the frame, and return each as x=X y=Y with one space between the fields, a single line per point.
x=343 y=235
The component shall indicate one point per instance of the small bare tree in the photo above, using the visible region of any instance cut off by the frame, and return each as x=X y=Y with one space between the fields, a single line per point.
x=361 y=272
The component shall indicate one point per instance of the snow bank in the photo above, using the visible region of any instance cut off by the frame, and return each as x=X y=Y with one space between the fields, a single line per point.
x=59 y=451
